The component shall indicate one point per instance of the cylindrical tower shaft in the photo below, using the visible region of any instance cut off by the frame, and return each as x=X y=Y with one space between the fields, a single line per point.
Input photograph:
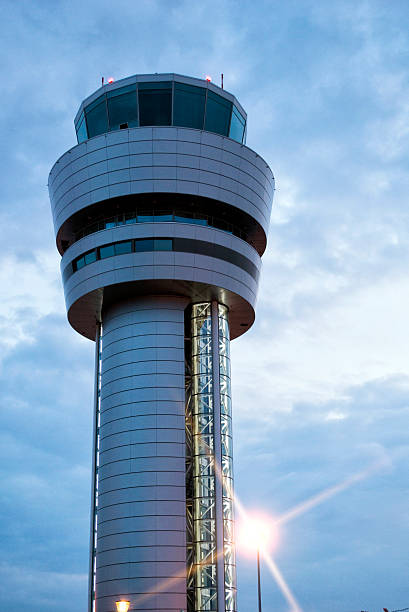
x=141 y=476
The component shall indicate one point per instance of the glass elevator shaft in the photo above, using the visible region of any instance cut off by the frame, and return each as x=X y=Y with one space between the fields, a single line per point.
x=211 y=556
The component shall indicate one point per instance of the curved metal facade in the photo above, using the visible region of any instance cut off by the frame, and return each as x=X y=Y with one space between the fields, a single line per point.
x=141 y=535
x=143 y=278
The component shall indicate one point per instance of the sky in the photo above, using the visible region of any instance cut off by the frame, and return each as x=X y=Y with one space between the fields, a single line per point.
x=321 y=381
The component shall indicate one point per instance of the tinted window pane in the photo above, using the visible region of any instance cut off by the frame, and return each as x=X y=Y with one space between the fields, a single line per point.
x=163 y=217
x=97 y=120
x=144 y=245
x=237 y=126
x=123 y=247
x=199 y=221
x=113 y=93
x=188 y=106
x=130 y=218
x=163 y=244
x=107 y=251
x=81 y=129
x=155 y=103
x=90 y=257
x=80 y=263
x=122 y=107
x=218 y=112
x=145 y=218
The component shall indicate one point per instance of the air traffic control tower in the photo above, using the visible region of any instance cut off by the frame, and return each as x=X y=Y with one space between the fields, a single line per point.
x=161 y=214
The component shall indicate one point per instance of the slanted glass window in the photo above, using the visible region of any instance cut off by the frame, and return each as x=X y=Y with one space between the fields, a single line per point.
x=237 y=125
x=163 y=244
x=81 y=129
x=218 y=111
x=143 y=245
x=107 y=251
x=155 y=103
x=122 y=107
x=97 y=120
x=130 y=217
x=90 y=257
x=188 y=106
x=123 y=247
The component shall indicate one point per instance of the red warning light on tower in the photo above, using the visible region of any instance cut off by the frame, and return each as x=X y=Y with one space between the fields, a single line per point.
x=208 y=78
x=111 y=80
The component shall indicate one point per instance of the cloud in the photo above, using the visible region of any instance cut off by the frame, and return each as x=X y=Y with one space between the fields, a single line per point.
x=37 y=293
x=320 y=385
x=44 y=590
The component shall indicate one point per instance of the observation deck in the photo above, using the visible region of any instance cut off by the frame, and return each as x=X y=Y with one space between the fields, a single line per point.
x=160 y=157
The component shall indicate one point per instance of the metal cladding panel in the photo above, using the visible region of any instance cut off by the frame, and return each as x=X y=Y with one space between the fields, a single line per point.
x=138 y=570
x=142 y=494
x=153 y=160
x=141 y=266
x=145 y=523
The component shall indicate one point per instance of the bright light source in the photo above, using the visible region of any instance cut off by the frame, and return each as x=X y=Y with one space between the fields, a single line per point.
x=111 y=80
x=122 y=606
x=256 y=532
x=208 y=78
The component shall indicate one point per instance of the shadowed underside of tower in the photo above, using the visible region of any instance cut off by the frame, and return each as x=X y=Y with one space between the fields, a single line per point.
x=161 y=214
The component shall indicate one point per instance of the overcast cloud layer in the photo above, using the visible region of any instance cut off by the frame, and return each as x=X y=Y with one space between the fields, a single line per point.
x=321 y=382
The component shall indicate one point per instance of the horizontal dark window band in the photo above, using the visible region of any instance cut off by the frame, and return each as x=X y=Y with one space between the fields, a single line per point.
x=254 y=202
x=178 y=245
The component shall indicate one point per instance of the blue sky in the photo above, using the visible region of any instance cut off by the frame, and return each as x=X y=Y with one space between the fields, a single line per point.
x=321 y=382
